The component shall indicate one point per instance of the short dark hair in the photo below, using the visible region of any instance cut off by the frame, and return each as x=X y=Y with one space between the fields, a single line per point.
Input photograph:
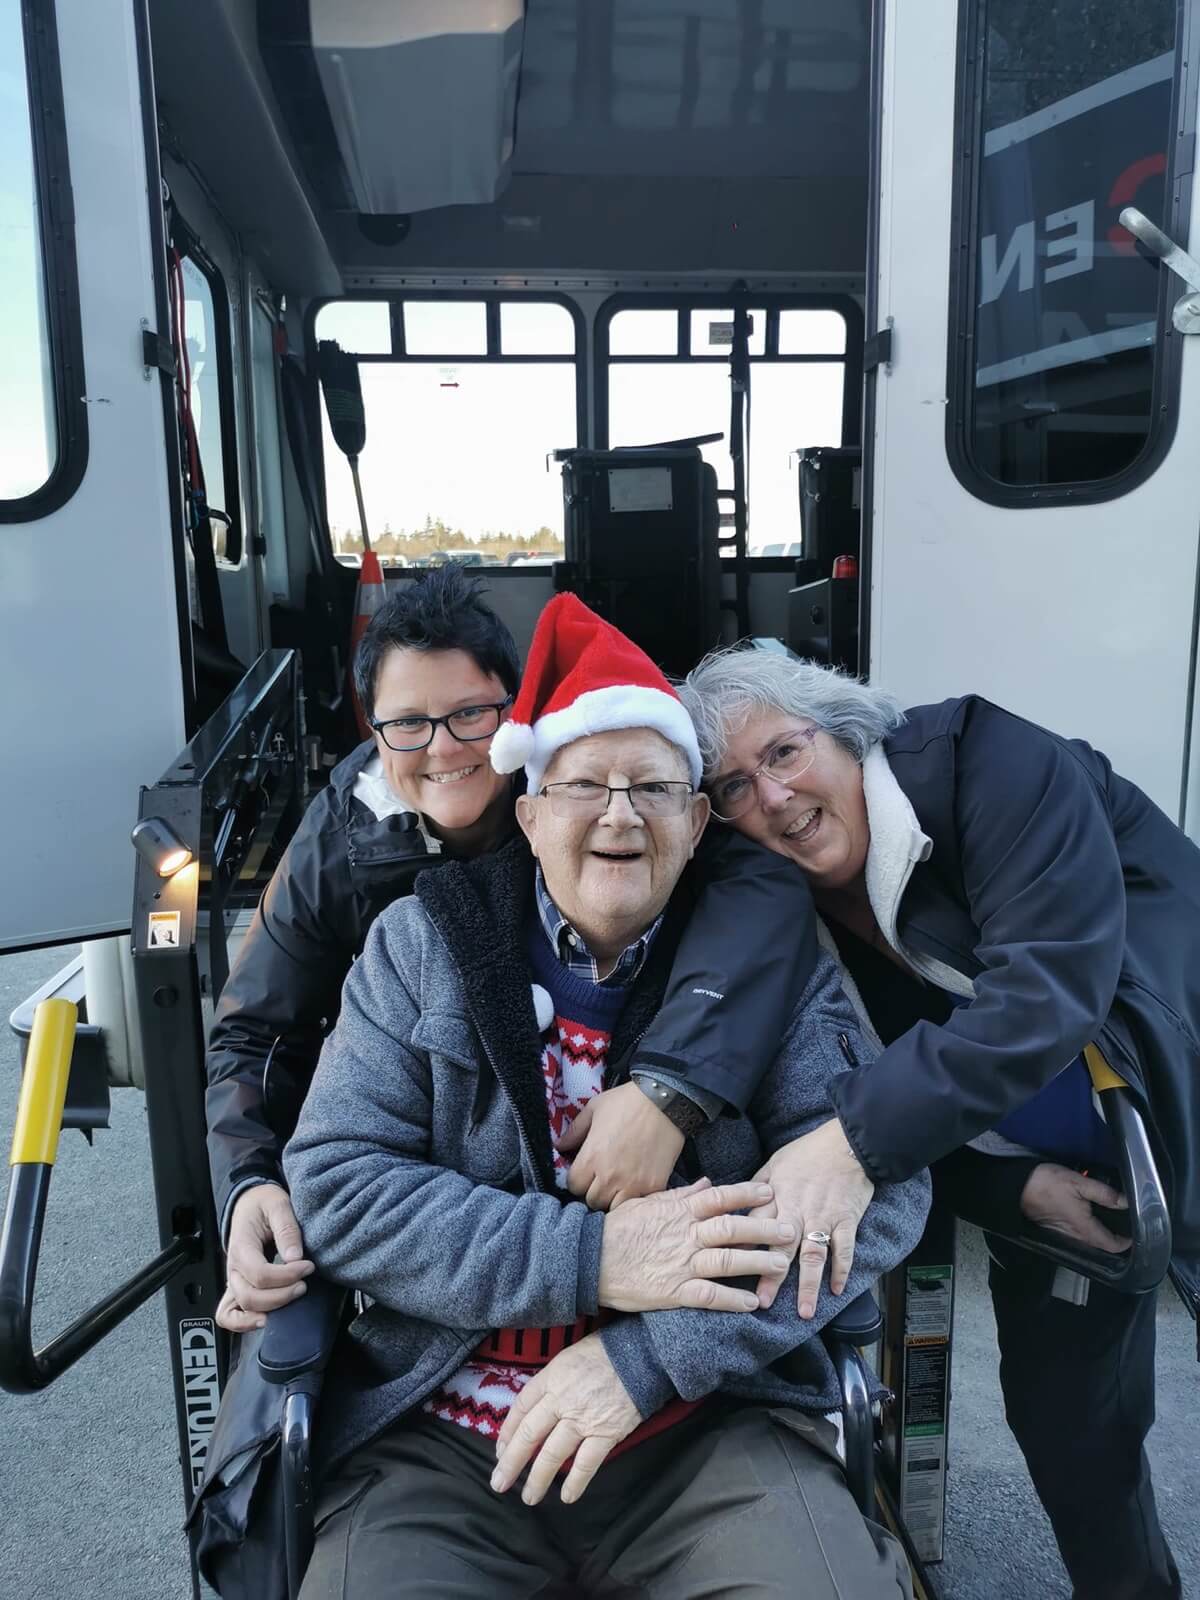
x=443 y=609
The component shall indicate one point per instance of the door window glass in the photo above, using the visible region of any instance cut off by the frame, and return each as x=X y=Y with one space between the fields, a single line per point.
x=28 y=424
x=1062 y=329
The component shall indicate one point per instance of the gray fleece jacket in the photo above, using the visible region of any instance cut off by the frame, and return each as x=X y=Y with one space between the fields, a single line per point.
x=421 y=1169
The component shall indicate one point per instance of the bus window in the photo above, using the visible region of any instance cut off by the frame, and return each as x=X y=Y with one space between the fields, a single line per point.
x=1065 y=368
x=462 y=409
x=42 y=419
x=667 y=377
x=206 y=330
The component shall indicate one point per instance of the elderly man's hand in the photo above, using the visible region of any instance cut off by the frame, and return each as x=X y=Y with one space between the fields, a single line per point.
x=821 y=1189
x=1059 y=1199
x=263 y=1224
x=575 y=1406
x=662 y=1253
x=623 y=1147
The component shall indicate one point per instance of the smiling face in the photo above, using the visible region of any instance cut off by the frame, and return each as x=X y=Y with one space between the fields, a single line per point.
x=451 y=783
x=611 y=875
x=820 y=818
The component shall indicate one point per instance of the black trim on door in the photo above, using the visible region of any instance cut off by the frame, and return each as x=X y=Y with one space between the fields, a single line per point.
x=172 y=458
x=964 y=219
x=59 y=267
x=872 y=378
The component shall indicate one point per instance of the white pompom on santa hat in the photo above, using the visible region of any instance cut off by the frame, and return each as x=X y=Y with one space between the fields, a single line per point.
x=583 y=676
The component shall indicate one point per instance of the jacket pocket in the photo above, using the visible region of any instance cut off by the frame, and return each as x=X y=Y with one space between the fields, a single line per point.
x=445 y=1034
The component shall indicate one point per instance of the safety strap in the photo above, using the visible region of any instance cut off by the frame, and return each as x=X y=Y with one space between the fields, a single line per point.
x=323 y=591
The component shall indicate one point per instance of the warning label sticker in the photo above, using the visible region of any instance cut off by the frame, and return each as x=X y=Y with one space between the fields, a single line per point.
x=164 y=930
x=929 y=1303
x=201 y=1388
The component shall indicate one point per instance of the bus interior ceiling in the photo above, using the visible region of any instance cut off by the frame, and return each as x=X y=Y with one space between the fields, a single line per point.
x=662 y=151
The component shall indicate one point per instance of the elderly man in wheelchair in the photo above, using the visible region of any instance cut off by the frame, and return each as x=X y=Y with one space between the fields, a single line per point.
x=539 y=1398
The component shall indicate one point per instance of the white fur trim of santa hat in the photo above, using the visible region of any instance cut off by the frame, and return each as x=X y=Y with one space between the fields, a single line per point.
x=601 y=711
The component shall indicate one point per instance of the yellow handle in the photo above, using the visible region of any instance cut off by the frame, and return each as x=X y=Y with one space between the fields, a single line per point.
x=1103 y=1076
x=44 y=1084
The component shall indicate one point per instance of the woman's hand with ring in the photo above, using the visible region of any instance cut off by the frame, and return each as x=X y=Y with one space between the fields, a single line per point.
x=821 y=1189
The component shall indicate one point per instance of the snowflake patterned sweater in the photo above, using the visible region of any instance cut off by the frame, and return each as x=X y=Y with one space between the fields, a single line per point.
x=574 y=1057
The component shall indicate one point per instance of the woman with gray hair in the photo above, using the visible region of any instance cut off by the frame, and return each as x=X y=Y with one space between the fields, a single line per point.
x=1000 y=900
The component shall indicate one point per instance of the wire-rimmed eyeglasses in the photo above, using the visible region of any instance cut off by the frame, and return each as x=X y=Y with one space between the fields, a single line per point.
x=466 y=725
x=789 y=757
x=582 y=798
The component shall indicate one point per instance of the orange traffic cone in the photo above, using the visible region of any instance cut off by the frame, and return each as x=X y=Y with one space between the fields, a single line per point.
x=372 y=592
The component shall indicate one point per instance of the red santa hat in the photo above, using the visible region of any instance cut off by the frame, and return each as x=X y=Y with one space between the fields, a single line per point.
x=583 y=676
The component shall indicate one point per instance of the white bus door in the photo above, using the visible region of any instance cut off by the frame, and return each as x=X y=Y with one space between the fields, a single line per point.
x=1035 y=478
x=90 y=630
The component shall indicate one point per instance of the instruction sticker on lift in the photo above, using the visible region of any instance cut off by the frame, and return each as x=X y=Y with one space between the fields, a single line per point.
x=928 y=1313
x=163 y=932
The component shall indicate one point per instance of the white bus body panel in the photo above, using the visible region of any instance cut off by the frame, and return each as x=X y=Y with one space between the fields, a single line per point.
x=1079 y=617
x=93 y=702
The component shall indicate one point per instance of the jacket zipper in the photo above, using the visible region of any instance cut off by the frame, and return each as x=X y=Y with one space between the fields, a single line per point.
x=847 y=1049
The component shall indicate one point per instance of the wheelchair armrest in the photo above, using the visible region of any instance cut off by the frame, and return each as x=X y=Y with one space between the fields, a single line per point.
x=1144 y=1265
x=860 y=1323
x=299 y=1338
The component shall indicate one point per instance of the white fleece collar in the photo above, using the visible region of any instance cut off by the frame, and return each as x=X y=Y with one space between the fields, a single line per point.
x=897 y=842
x=381 y=800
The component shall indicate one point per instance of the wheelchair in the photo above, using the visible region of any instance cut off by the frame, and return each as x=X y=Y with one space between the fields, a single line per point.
x=299 y=1340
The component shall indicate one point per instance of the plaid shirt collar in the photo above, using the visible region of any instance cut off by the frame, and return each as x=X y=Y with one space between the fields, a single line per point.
x=574 y=954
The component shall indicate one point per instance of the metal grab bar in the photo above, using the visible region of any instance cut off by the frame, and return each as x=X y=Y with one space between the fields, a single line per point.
x=1144 y=1265
x=35 y=1146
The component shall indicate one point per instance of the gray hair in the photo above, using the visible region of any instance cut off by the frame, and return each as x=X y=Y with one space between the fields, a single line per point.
x=731 y=686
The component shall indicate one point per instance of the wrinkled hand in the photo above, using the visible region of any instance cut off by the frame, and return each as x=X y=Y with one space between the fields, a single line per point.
x=819 y=1188
x=662 y=1253
x=1059 y=1199
x=575 y=1406
x=629 y=1148
x=263 y=1224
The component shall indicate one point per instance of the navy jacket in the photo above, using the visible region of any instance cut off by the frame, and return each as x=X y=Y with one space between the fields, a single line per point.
x=748 y=951
x=1074 y=905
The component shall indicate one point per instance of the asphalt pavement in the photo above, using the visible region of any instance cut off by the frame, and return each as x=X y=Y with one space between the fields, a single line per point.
x=91 y=1497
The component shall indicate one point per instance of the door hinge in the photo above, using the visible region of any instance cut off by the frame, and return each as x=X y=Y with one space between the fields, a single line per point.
x=877 y=351
x=157 y=353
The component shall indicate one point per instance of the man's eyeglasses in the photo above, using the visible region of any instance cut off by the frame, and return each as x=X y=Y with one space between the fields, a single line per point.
x=467 y=725
x=585 y=799
x=785 y=761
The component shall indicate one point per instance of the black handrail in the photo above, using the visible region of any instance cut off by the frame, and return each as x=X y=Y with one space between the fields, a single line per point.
x=24 y=1370
x=1144 y=1265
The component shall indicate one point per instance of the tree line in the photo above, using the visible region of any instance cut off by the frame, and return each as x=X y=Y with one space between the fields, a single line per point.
x=437 y=535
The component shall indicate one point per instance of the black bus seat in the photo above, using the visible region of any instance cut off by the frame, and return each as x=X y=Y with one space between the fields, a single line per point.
x=299 y=1339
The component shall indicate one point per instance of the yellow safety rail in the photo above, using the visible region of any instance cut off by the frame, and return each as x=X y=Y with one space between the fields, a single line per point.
x=44 y=1084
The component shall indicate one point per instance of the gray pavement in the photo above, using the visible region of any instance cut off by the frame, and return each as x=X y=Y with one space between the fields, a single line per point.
x=91 y=1499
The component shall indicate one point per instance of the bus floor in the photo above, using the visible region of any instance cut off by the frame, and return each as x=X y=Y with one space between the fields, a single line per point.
x=90 y=1498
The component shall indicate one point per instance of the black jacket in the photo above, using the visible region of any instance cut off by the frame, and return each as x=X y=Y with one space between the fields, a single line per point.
x=746 y=954
x=1074 y=905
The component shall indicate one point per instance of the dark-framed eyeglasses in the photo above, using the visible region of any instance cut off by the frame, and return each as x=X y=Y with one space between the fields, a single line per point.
x=582 y=798
x=786 y=760
x=466 y=725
